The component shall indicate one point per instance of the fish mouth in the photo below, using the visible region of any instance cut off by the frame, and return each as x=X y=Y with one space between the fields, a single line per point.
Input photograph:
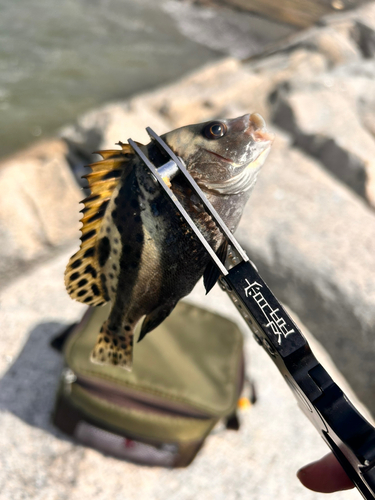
x=217 y=155
x=257 y=129
x=243 y=181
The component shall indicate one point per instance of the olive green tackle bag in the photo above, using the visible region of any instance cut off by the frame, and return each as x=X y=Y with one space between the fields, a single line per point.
x=187 y=376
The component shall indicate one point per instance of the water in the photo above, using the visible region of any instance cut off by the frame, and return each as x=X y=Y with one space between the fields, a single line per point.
x=59 y=58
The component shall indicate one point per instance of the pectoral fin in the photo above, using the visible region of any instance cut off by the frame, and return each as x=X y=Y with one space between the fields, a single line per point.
x=154 y=319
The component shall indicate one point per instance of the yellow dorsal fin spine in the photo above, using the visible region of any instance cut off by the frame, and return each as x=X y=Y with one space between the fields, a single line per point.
x=109 y=164
x=103 y=175
x=83 y=273
x=109 y=153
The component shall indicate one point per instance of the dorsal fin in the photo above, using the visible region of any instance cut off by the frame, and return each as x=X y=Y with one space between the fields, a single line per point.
x=83 y=274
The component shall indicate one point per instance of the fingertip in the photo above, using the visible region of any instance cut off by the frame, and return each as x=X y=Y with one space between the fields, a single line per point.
x=325 y=476
x=301 y=474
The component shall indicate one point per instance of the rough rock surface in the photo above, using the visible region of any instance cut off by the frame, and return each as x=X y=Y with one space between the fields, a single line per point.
x=301 y=13
x=331 y=113
x=314 y=242
x=235 y=33
x=218 y=88
x=324 y=119
x=38 y=206
x=319 y=86
x=309 y=227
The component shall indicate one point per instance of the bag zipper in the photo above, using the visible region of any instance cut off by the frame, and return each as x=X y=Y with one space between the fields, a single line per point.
x=128 y=398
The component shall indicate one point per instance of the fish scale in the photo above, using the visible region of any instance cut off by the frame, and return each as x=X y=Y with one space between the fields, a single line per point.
x=136 y=249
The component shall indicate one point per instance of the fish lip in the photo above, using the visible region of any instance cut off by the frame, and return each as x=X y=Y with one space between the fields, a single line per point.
x=266 y=143
x=219 y=156
x=220 y=188
x=263 y=136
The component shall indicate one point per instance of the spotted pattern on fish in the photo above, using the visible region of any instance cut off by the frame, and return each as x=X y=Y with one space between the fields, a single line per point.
x=82 y=279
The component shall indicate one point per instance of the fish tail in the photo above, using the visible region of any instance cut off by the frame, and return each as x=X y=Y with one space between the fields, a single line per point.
x=114 y=347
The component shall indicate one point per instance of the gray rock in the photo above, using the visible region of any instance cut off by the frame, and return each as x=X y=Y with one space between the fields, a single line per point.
x=311 y=237
x=319 y=85
x=324 y=122
x=103 y=128
x=239 y=34
x=365 y=29
x=301 y=13
x=323 y=88
x=329 y=116
x=215 y=90
x=335 y=45
x=314 y=242
x=38 y=207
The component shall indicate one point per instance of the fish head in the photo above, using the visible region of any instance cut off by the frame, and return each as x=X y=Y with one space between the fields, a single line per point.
x=223 y=156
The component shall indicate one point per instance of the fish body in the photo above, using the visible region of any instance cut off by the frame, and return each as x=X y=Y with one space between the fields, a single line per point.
x=137 y=251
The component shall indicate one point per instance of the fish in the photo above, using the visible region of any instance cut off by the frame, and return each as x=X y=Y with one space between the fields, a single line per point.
x=137 y=251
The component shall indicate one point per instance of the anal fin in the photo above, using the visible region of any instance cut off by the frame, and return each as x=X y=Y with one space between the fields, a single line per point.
x=212 y=272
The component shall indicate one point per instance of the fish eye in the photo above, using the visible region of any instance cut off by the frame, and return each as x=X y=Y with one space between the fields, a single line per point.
x=215 y=130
